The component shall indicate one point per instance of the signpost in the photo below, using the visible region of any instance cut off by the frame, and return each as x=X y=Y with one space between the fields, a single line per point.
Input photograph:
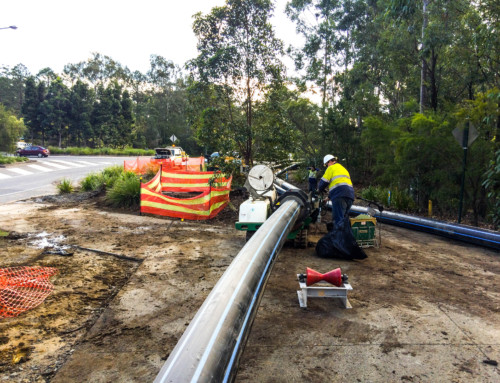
x=465 y=137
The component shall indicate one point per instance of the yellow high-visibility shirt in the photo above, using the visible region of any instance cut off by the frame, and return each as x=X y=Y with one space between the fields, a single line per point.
x=336 y=175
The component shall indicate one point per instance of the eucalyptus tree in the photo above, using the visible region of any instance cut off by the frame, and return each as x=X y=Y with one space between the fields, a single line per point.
x=212 y=116
x=489 y=41
x=138 y=87
x=276 y=136
x=97 y=70
x=12 y=87
x=443 y=29
x=126 y=118
x=55 y=109
x=81 y=100
x=331 y=29
x=304 y=117
x=46 y=75
x=102 y=116
x=112 y=117
x=34 y=95
x=320 y=56
x=238 y=54
x=167 y=103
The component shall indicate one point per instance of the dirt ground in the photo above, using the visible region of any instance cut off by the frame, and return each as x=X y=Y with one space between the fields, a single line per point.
x=425 y=309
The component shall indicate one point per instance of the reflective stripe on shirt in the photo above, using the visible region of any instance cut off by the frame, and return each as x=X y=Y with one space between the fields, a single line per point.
x=340 y=184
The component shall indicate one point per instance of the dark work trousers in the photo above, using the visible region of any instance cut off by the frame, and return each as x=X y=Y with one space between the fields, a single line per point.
x=340 y=209
x=313 y=184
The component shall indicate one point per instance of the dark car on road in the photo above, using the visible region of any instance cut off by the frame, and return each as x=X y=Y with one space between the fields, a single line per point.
x=33 y=150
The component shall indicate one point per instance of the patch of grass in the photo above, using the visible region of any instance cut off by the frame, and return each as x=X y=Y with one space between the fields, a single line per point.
x=112 y=174
x=65 y=186
x=123 y=188
x=4 y=160
x=375 y=194
x=92 y=182
x=3 y=233
x=125 y=192
x=103 y=180
x=400 y=200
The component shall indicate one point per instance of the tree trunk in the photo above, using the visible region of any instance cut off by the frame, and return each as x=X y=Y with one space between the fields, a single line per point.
x=433 y=79
x=249 y=124
x=423 y=72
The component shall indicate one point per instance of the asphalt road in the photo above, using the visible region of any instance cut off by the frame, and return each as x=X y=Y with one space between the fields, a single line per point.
x=40 y=176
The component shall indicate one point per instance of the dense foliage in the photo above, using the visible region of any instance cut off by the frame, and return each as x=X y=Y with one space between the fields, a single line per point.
x=392 y=79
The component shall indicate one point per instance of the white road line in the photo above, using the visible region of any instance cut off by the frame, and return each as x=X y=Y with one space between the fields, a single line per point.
x=74 y=164
x=87 y=163
x=41 y=168
x=4 y=176
x=19 y=171
x=55 y=165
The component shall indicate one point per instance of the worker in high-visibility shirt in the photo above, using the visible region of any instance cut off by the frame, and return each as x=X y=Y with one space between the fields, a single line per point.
x=340 y=189
x=312 y=178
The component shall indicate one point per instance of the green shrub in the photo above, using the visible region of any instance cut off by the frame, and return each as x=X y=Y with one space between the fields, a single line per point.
x=126 y=191
x=92 y=182
x=375 y=194
x=111 y=174
x=300 y=175
x=402 y=201
x=103 y=180
x=65 y=186
x=10 y=160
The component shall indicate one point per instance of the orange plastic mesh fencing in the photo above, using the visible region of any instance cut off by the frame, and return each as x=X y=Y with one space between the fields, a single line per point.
x=206 y=205
x=193 y=164
x=23 y=287
x=143 y=165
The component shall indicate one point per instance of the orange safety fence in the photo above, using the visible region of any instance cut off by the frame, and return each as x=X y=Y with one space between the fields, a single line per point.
x=213 y=198
x=143 y=165
x=140 y=165
x=23 y=287
x=182 y=181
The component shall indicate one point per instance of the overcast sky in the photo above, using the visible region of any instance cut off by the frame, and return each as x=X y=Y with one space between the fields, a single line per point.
x=53 y=33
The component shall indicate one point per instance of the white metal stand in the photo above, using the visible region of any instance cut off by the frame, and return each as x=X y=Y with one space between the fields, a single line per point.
x=323 y=291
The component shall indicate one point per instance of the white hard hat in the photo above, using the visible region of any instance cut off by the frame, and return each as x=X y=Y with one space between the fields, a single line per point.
x=329 y=157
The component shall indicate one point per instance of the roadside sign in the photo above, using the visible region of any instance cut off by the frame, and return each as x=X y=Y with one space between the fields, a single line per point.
x=173 y=138
x=462 y=133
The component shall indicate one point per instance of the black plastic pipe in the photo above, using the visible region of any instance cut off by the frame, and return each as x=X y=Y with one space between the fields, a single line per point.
x=469 y=234
x=210 y=348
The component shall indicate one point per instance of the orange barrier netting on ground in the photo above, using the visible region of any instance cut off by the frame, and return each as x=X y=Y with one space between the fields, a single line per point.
x=143 y=165
x=23 y=287
x=208 y=204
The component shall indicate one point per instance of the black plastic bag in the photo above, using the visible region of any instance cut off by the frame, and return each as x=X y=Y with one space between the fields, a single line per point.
x=340 y=243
